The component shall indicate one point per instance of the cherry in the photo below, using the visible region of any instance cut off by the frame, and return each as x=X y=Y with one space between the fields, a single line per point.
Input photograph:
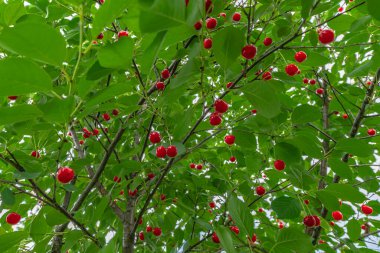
x=141 y=236
x=254 y=111
x=13 y=218
x=149 y=229
x=208 y=6
x=306 y=201
x=267 y=75
x=260 y=210
x=35 y=154
x=337 y=215
x=291 y=69
x=155 y=137
x=340 y=9
x=122 y=34
x=371 y=132
x=165 y=74
x=132 y=194
x=222 y=14
x=211 y=23
x=220 y=106
x=86 y=135
x=249 y=52
x=187 y=2
x=162 y=197
x=151 y=176
x=12 y=98
x=317 y=220
x=300 y=56
x=212 y=204
x=192 y=165
x=332 y=223
x=305 y=81
x=106 y=116
x=309 y=221
x=215 y=238
x=367 y=210
x=198 y=25
x=364 y=227
x=95 y=132
x=369 y=83
x=207 y=43
x=115 y=112
x=253 y=239
x=157 y=231
x=199 y=166
x=117 y=179
x=100 y=36
x=121 y=192
x=279 y=165
x=101 y=1
x=229 y=85
x=160 y=85
x=229 y=139
x=260 y=190
x=65 y=175
x=319 y=91
x=312 y=82
x=171 y=151
x=267 y=41
x=232 y=159
x=215 y=119
x=236 y=17
x=326 y=36
x=235 y=229
x=321 y=241
x=81 y=142
x=140 y=220
x=345 y=116
x=161 y=152
x=280 y=225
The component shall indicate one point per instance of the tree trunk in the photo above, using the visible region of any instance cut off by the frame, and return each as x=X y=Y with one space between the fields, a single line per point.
x=128 y=223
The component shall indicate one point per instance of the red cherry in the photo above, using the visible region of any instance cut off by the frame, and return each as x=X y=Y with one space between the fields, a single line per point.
x=367 y=210
x=306 y=201
x=35 y=154
x=253 y=239
x=100 y=36
x=280 y=225
x=81 y=142
x=192 y=165
x=187 y=2
x=13 y=218
x=140 y=220
x=337 y=215
x=117 y=179
x=309 y=221
x=155 y=137
x=199 y=167
x=149 y=229
x=369 y=83
x=106 y=116
x=95 y=132
x=65 y=175
x=122 y=34
x=212 y=204
x=267 y=41
x=220 y=106
x=371 y=132
x=165 y=74
x=222 y=14
x=211 y=23
x=235 y=229
x=340 y=9
x=300 y=56
x=115 y=112
x=229 y=139
x=319 y=91
x=121 y=192
x=141 y=236
x=345 y=116
x=260 y=190
x=249 y=52
x=160 y=85
x=215 y=238
x=321 y=241
x=291 y=69
x=208 y=6
x=267 y=75
x=151 y=176
x=12 y=97
x=101 y=1
x=161 y=152
x=364 y=227
x=260 y=210
x=326 y=36
x=215 y=119
x=198 y=25
x=86 y=135
x=236 y=17
x=279 y=165
x=312 y=82
x=132 y=194
x=171 y=151
x=305 y=81
x=317 y=220
x=254 y=111
x=207 y=43
x=332 y=223
x=232 y=159
x=229 y=85
x=157 y=231
x=162 y=197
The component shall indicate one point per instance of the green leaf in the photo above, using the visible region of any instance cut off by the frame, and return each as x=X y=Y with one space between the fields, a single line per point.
x=286 y=207
x=58 y=110
x=225 y=238
x=340 y=168
x=10 y=115
x=330 y=201
x=20 y=76
x=354 y=146
x=53 y=217
x=262 y=94
x=11 y=12
x=244 y=138
x=117 y=55
x=240 y=215
x=306 y=7
x=36 y=40
x=354 y=229
x=305 y=113
x=11 y=239
x=373 y=7
x=227 y=45
x=105 y=15
x=342 y=24
x=39 y=227
x=7 y=197
x=26 y=175
x=346 y=192
x=292 y=240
